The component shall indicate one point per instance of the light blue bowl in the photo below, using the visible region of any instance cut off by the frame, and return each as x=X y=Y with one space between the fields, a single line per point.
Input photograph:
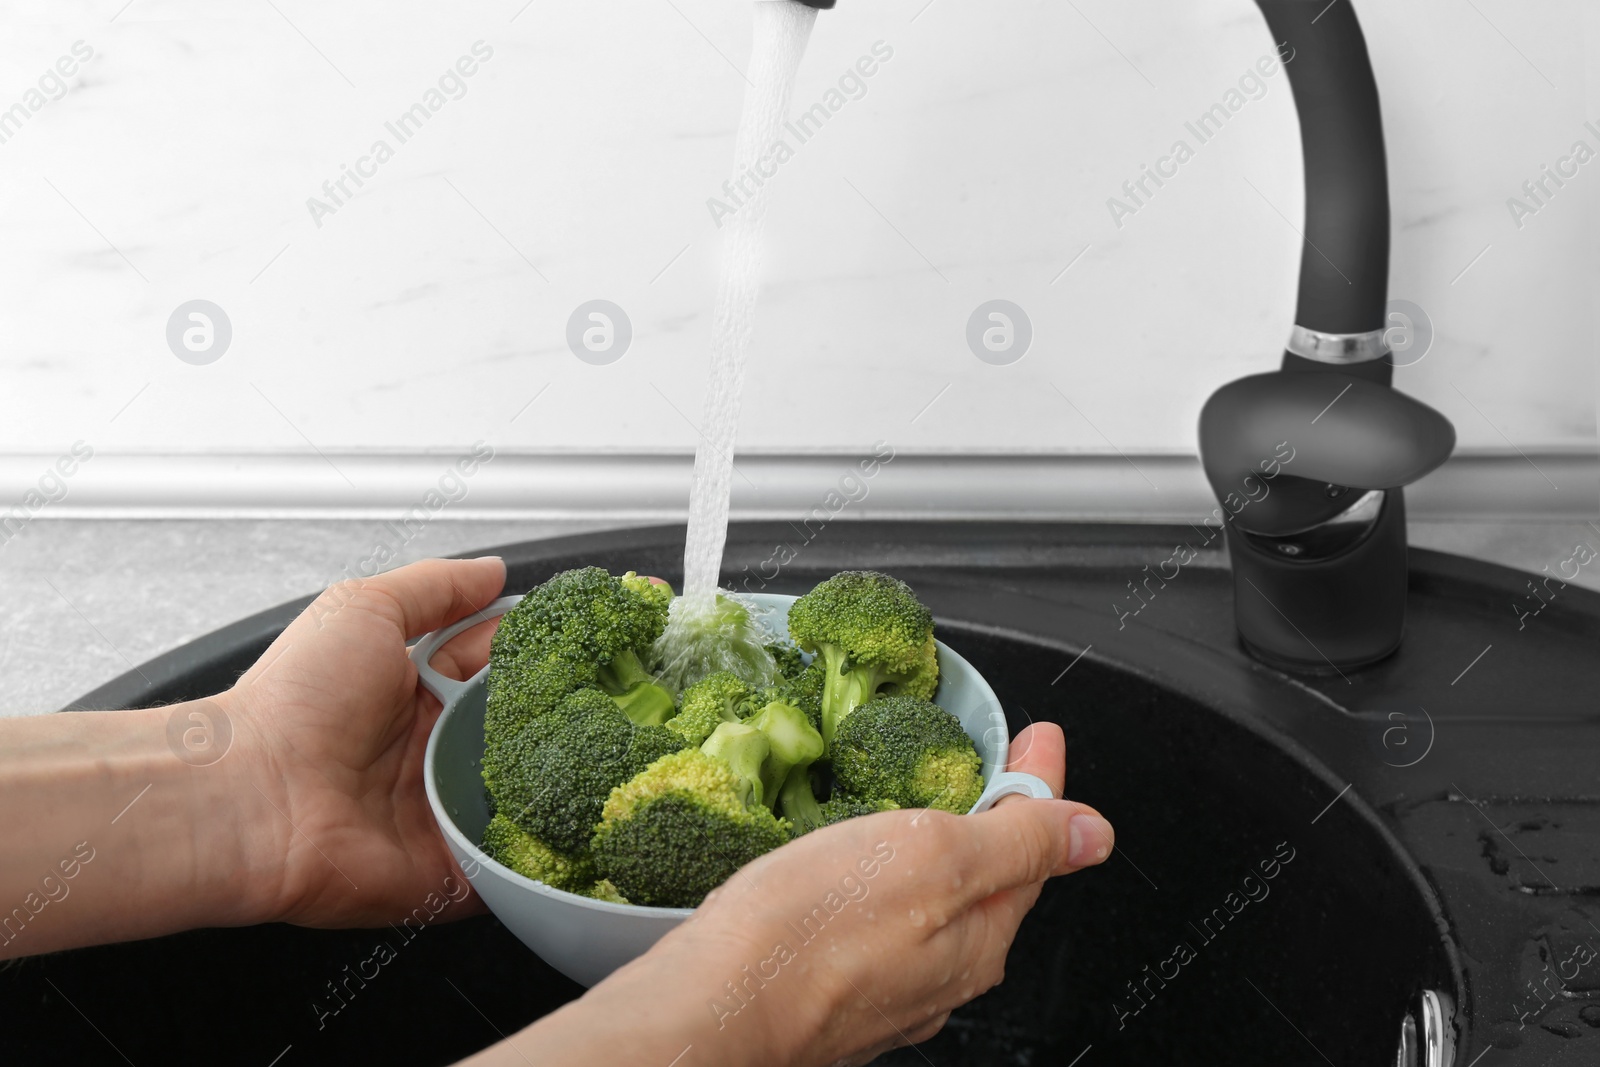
x=588 y=939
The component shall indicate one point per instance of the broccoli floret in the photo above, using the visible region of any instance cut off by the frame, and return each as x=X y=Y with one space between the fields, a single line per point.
x=799 y=805
x=586 y=610
x=604 y=890
x=598 y=626
x=707 y=704
x=515 y=731
x=793 y=746
x=679 y=829
x=656 y=590
x=525 y=688
x=804 y=691
x=788 y=658
x=555 y=789
x=909 y=751
x=511 y=846
x=872 y=636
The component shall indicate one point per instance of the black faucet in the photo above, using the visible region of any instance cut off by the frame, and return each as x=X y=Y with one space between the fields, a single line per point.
x=1309 y=460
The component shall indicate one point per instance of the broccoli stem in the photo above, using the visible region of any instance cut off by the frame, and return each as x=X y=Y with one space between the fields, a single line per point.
x=743 y=748
x=635 y=690
x=796 y=801
x=793 y=742
x=846 y=686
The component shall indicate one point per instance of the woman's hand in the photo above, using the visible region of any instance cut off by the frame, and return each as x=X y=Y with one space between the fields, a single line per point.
x=332 y=726
x=296 y=795
x=850 y=941
x=893 y=920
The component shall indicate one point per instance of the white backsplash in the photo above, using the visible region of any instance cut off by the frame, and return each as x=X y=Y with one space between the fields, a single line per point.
x=430 y=307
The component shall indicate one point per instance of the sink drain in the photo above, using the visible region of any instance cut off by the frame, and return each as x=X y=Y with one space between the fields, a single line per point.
x=1427 y=1034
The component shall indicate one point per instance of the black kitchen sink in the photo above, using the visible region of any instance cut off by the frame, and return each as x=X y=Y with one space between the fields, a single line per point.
x=1297 y=855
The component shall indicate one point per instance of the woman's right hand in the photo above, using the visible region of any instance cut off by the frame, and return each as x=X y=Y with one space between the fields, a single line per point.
x=865 y=935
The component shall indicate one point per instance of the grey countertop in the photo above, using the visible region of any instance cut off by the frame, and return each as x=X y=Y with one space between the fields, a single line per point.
x=86 y=599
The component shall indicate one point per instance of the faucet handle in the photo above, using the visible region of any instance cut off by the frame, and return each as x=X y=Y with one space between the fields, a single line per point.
x=1323 y=429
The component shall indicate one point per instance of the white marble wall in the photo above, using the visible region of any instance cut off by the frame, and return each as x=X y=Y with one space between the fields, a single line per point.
x=431 y=307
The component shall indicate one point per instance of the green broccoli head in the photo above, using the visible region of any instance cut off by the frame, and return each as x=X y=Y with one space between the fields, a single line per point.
x=679 y=829
x=511 y=846
x=872 y=636
x=789 y=659
x=805 y=690
x=532 y=706
x=588 y=612
x=656 y=590
x=555 y=789
x=909 y=751
x=528 y=687
x=601 y=627
x=708 y=703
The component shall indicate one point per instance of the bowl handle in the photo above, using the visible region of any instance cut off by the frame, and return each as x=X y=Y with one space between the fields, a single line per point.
x=422 y=653
x=1012 y=783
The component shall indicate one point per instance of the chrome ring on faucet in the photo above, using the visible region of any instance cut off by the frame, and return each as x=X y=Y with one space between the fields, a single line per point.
x=1337 y=348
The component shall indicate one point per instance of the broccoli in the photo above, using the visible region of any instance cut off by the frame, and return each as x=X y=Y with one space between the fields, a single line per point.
x=526 y=688
x=679 y=829
x=713 y=700
x=511 y=737
x=798 y=801
x=745 y=750
x=656 y=590
x=793 y=746
x=909 y=751
x=554 y=789
x=635 y=689
x=799 y=804
x=591 y=625
x=803 y=691
x=511 y=846
x=872 y=635
x=788 y=658
x=604 y=890
x=701 y=640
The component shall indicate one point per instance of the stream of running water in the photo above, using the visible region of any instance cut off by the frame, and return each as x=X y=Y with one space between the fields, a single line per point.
x=782 y=28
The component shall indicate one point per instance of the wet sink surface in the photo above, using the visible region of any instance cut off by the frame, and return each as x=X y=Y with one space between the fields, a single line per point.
x=1293 y=861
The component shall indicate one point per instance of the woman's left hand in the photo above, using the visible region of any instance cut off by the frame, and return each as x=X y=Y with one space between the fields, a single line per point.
x=332 y=726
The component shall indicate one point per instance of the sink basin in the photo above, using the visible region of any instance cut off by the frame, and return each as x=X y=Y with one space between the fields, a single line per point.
x=1181 y=950
x=1286 y=878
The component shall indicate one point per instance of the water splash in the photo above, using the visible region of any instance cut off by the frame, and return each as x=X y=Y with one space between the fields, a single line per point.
x=732 y=636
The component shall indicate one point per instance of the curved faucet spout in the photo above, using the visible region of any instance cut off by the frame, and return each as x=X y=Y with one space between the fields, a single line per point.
x=1344 y=266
